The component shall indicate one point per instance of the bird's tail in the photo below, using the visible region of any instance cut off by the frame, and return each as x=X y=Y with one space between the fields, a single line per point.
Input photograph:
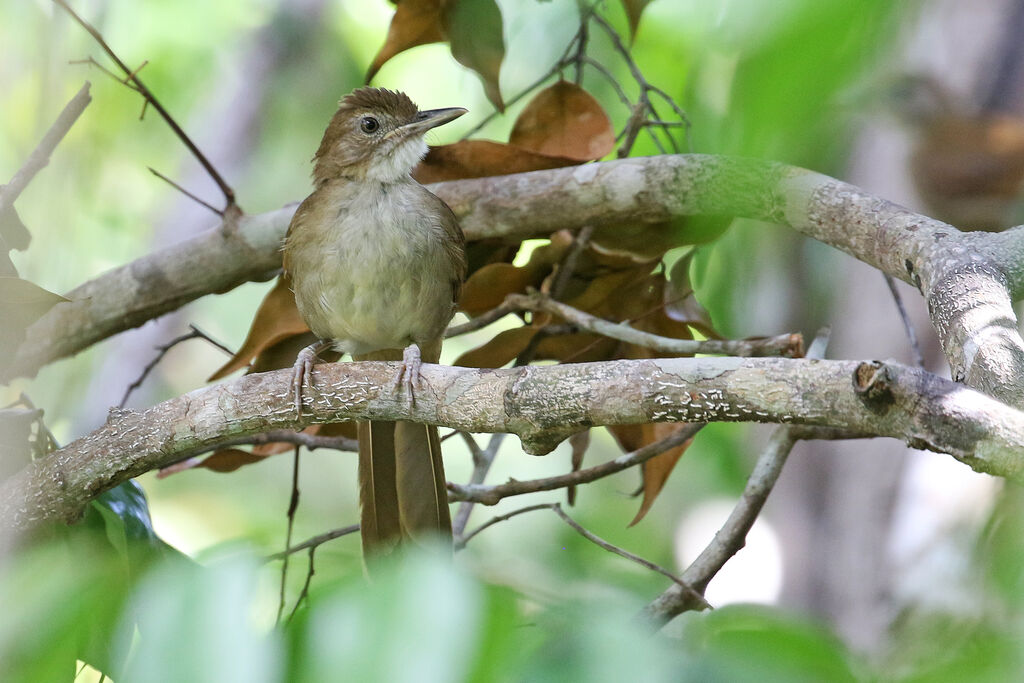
x=402 y=490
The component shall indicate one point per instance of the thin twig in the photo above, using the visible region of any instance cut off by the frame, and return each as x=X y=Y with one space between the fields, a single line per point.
x=915 y=349
x=304 y=593
x=293 y=505
x=229 y=194
x=185 y=192
x=481 y=466
x=162 y=350
x=787 y=345
x=479 y=322
x=593 y=538
x=491 y=495
x=315 y=541
x=40 y=156
x=597 y=540
x=460 y=543
x=310 y=441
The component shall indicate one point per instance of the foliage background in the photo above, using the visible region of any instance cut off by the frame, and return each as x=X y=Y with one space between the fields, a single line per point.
x=254 y=82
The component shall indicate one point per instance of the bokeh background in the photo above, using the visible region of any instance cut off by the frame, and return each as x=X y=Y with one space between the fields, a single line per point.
x=906 y=557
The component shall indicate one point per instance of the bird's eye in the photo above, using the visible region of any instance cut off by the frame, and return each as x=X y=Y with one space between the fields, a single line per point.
x=369 y=124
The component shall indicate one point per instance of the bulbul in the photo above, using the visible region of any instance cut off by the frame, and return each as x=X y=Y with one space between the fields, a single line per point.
x=376 y=263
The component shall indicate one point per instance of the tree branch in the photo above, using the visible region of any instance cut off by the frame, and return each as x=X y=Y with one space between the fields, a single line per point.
x=492 y=495
x=789 y=345
x=40 y=156
x=542 y=405
x=979 y=334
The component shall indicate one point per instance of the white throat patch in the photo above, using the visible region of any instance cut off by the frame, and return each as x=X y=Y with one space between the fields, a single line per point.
x=400 y=162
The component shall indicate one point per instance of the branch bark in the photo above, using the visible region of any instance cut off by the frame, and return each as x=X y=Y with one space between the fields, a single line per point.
x=542 y=405
x=969 y=279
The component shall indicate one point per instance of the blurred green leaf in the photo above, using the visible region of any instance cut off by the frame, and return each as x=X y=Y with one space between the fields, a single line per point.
x=747 y=642
x=197 y=624
x=474 y=30
x=419 y=620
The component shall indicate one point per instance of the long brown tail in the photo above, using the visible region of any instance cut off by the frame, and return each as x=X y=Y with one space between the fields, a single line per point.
x=402 y=490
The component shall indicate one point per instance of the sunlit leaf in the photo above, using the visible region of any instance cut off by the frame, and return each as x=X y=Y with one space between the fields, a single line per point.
x=276 y=319
x=634 y=8
x=564 y=120
x=474 y=30
x=481 y=158
x=415 y=22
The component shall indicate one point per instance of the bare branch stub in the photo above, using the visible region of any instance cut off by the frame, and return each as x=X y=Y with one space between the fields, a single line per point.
x=132 y=77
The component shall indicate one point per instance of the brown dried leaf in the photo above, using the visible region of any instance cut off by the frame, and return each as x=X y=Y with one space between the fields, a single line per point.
x=656 y=470
x=415 y=22
x=479 y=159
x=486 y=288
x=276 y=320
x=230 y=459
x=579 y=442
x=501 y=349
x=564 y=120
x=21 y=304
x=474 y=31
x=634 y=8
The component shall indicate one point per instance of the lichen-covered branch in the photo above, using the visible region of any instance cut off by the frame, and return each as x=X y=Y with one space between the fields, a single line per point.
x=947 y=266
x=542 y=405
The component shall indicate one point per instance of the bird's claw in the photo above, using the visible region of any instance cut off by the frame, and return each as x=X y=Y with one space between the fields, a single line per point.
x=408 y=373
x=302 y=371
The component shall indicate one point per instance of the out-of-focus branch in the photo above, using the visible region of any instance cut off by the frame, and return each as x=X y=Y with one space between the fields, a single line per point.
x=40 y=156
x=131 y=75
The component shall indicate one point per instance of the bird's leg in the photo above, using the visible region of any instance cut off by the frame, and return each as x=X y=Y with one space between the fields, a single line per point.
x=408 y=372
x=303 y=369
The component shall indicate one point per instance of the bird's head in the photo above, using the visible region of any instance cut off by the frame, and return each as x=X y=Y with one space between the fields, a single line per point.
x=376 y=134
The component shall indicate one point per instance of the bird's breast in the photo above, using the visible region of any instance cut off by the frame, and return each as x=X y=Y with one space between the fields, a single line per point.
x=372 y=272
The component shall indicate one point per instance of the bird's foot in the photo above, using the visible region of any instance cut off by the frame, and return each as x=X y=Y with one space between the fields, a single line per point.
x=303 y=370
x=408 y=374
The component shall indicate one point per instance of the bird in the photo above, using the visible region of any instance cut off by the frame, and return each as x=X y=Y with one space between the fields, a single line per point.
x=967 y=165
x=377 y=263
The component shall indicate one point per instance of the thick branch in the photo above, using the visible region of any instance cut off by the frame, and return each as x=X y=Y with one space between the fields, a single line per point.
x=542 y=405
x=906 y=245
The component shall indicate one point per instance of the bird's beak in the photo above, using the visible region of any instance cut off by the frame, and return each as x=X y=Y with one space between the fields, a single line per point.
x=425 y=120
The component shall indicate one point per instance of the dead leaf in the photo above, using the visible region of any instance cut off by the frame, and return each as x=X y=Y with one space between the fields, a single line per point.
x=486 y=288
x=276 y=320
x=564 y=120
x=655 y=471
x=474 y=31
x=21 y=304
x=415 y=22
x=501 y=349
x=634 y=8
x=579 y=442
x=481 y=158
x=230 y=459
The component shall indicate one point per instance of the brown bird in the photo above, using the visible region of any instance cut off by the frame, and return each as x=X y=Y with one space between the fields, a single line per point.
x=376 y=263
x=967 y=166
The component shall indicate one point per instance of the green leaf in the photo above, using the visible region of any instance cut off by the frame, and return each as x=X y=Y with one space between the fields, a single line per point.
x=474 y=30
x=752 y=642
x=196 y=624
